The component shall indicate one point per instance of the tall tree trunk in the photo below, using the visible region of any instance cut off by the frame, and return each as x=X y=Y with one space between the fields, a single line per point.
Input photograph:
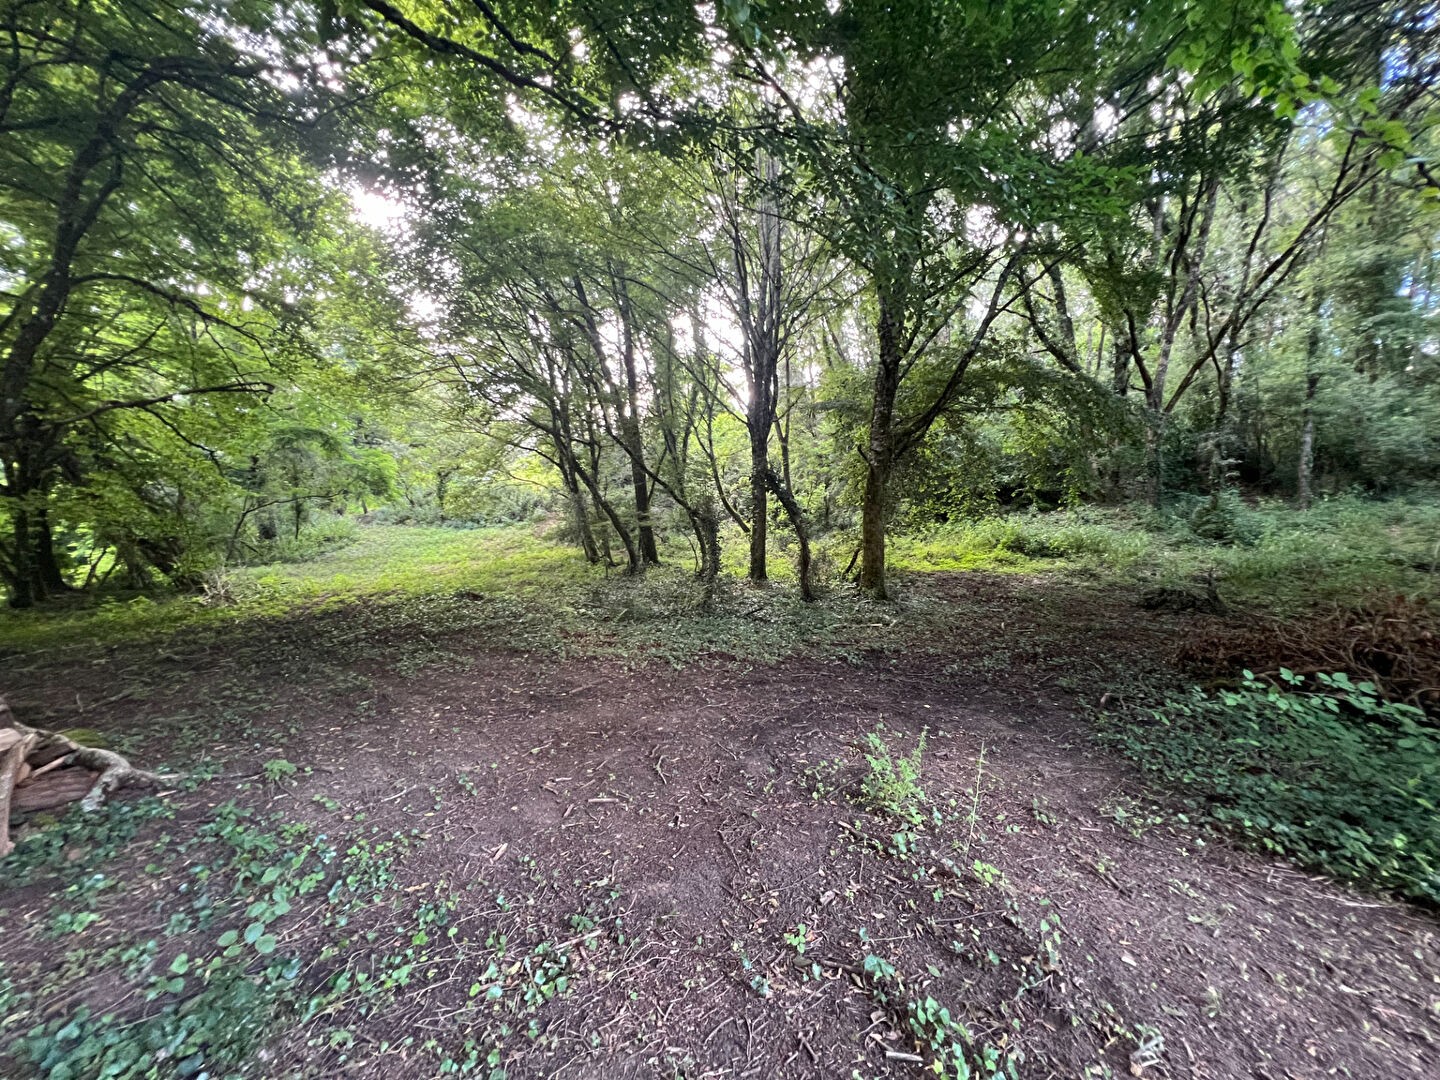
x=630 y=429
x=1120 y=366
x=872 y=527
x=1154 y=484
x=880 y=453
x=1305 y=472
x=762 y=328
x=583 y=533
x=759 y=510
x=641 y=483
x=624 y=402
x=602 y=536
x=47 y=564
x=633 y=563
x=21 y=578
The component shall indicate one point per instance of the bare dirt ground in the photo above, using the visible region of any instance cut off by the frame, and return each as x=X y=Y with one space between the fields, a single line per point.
x=691 y=843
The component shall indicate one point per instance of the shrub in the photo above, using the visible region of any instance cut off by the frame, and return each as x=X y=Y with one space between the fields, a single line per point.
x=1337 y=779
x=1223 y=519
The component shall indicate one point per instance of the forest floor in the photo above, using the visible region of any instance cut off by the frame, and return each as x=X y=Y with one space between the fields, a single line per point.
x=423 y=845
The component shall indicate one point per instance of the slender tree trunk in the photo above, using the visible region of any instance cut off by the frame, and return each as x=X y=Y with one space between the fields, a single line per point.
x=1120 y=367
x=880 y=454
x=630 y=429
x=759 y=510
x=802 y=533
x=641 y=483
x=763 y=329
x=602 y=536
x=583 y=532
x=1305 y=472
x=576 y=500
x=633 y=563
x=625 y=404
x=1154 y=458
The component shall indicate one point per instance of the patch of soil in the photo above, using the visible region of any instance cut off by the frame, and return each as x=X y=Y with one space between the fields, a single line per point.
x=714 y=812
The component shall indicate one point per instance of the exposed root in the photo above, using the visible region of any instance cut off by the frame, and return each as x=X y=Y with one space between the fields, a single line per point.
x=40 y=770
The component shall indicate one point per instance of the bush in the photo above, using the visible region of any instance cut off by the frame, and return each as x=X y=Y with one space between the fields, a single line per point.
x=1335 y=779
x=1223 y=519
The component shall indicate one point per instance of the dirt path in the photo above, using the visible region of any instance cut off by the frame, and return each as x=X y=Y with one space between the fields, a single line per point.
x=692 y=842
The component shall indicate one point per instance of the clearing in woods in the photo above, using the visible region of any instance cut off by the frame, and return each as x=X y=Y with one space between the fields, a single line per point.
x=417 y=846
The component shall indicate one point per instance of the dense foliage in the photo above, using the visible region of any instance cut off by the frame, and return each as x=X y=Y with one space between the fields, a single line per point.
x=785 y=269
x=1336 y=779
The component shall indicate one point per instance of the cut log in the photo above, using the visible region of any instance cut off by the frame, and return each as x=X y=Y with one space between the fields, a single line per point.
x=52 y=789
x=11 y=764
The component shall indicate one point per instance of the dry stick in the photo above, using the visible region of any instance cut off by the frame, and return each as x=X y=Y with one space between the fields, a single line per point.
x=899 y=1055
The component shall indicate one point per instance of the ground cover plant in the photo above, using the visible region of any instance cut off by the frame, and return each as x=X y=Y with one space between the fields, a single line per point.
x=1333 y=777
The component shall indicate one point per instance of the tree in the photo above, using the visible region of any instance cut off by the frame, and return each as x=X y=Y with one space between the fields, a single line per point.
x=152 y=174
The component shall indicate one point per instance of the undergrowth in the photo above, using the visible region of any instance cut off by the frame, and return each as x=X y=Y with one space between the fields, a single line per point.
x=1266 y=555
x=1335 y=779
x=892 y=784
x=414 y=598
x=277 y=937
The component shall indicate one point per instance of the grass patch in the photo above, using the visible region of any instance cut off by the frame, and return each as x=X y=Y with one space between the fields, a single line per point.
x=1266 y=555
x=1335 y=779
x=386 y=563
x=413 y=598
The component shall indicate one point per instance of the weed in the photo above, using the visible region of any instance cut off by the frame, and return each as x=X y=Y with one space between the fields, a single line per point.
x=988 y=874
x=1040 y=810
x=798 y=938
x=952 y=1050
x=278 y=770
x=892 y=785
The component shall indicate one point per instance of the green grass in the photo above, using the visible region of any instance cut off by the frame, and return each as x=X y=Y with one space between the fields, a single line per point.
x=1274 y=556
x=410 y=597
x=386 y=563
x=542 y=594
